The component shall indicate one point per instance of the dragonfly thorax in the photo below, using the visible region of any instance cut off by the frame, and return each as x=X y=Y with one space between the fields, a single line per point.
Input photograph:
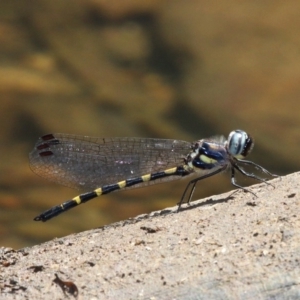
x=206 y=155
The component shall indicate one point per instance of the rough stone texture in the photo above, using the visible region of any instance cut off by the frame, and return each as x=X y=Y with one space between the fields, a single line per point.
x=230 y=246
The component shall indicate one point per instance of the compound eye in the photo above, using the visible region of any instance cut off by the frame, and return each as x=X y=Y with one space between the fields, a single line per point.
x=239 y=143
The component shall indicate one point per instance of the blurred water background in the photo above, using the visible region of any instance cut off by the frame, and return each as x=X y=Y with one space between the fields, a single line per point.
x=153 y=68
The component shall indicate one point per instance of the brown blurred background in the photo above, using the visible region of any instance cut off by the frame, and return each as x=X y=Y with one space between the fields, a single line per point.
x=184 y=69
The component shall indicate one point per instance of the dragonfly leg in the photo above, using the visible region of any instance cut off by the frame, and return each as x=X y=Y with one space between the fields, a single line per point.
x=237 y=185
x=193 y=184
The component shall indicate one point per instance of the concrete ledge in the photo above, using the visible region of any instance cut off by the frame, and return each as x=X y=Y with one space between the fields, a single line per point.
x=221 y=247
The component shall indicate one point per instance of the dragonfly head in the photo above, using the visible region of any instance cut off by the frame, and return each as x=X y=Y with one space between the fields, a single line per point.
x=239 y=143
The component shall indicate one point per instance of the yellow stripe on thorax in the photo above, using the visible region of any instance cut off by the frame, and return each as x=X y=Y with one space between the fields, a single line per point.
x=207 y=159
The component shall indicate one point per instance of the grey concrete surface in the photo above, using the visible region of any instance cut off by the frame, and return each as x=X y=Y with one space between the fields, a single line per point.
x=229 y=246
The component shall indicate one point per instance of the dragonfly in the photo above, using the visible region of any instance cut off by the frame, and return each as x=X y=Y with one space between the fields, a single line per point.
x=105 y=165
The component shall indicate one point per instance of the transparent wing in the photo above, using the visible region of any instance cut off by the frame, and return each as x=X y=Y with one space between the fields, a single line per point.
x=89 y=162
